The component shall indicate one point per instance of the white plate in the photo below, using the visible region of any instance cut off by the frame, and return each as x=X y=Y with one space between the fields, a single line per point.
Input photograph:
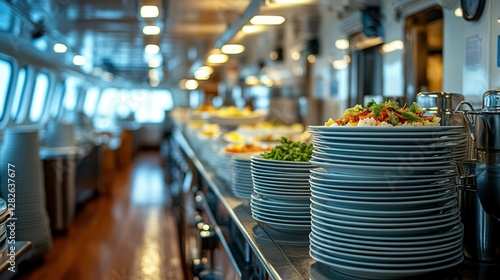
x=374 y=162
x=389 y=147
x=386 y=140
x=384 y=134
x=408 y=258
x=283 y=227
x=261 y=160
x=399 y=157
x=282 y=196
x=386 y=232
x=443 y=206
x=269 y=181
x=382 y=153
x=264 y=203
x=386 y=246
x=406 y=205
x=328 y=270
x=283 y=218
x=300 y=211
x=326 y=194
x=281 y=169
x=381 y=179
x=292 y=178
x=279 y=185
x=408 y=171
x=283 y=188
x=386 y=129
x=387 y=223
x=377 y=191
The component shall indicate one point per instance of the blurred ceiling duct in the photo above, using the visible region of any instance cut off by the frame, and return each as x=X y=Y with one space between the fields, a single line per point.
x=252 y=10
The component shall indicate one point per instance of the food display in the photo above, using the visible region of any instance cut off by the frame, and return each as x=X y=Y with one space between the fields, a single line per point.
x=263 y=132
x=245 y=148
x=290 y=151
x=384 y=114
x=234 y=116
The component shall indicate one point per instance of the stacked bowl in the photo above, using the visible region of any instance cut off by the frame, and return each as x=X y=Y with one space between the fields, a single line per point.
x=383 y=202
x=281 y=194
x=5 y=215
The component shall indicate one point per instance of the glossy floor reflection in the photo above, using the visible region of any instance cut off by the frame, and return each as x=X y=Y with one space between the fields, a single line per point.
x=129 y=234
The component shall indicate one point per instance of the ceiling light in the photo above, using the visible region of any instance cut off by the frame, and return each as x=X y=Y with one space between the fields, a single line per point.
x=295 y=55
x=60 y=48
x=252 y=81
x=191 y=84
x=217 y=58
x=79 y=60
x=339 y=64
x=152 y=49
x=149 y=11
x=232 y=49
x=342 y=44
x=458 y=12
x=267 y=20
x=154 y=62
x=201 y=74
x=251 y=29
x=208 y=69
x=392 y=46
x=151 y=30
x=311 y=58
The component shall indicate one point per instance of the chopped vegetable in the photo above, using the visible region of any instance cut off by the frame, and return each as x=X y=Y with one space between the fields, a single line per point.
x=385 y=114
x=290 y=151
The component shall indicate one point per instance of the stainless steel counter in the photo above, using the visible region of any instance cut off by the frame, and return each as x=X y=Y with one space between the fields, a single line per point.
x=287 y=257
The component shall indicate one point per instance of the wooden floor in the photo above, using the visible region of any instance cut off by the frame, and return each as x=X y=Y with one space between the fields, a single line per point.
x=127 y=235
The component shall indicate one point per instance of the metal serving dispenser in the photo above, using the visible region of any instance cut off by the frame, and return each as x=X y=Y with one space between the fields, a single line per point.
x=479 y=187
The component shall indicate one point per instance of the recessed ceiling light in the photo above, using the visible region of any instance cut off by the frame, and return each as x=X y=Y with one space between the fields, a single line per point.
x=191 y=84
x=342 y=44
x=155 y=62
x=149 y=11
x=250 y=29
x=152 y=49
x=232 y=49
x=79 y=60
x=267 y=20
x=60 y=48
x=151 y=30
x=217 y=58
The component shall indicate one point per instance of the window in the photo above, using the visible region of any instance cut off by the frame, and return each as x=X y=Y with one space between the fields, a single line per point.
x=6 y=18
x=39 y=97
x=18 y=95
x=56 y=100
x=91 y=98
x=152 y=107
x=5 y=78
x=71 y=94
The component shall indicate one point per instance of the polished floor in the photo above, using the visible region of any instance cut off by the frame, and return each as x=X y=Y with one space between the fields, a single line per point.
x=127 y=235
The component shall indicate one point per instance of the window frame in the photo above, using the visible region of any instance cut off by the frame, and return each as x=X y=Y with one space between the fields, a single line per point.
x=22 y=109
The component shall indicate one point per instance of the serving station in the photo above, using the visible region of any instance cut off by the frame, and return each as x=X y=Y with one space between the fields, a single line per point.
x=221 y=237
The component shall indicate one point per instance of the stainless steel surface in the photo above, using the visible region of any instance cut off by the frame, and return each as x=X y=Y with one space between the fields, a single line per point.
x=280 y=261
x=443 y=105
x=491 y=100
x=481 y=230
x=273 y=258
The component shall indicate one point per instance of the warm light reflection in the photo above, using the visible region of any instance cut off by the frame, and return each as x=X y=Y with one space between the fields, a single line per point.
x=458 y=12
x=201 y=74
x=311 y=58
x=252 y=81
x=339 y=64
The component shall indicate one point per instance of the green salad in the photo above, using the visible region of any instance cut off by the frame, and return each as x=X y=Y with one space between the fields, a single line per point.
x=290 y=151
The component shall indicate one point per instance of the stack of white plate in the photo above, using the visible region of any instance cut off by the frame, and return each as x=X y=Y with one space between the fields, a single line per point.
x=383 y=202
x=5 y=215
x=281 y=194
x=241 y=176
x=222 y=164
x=20 y=152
